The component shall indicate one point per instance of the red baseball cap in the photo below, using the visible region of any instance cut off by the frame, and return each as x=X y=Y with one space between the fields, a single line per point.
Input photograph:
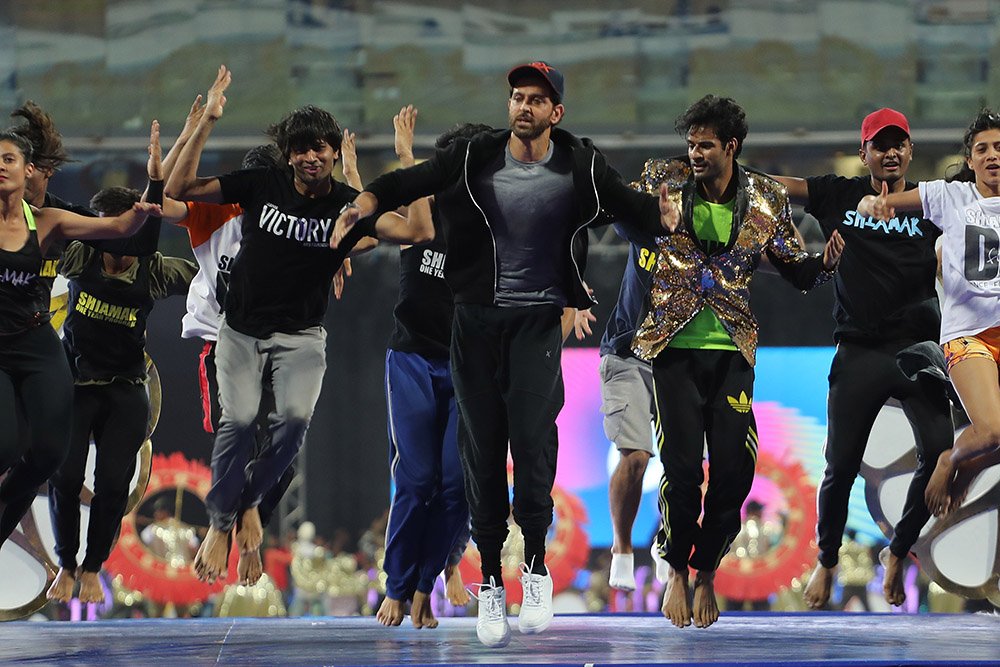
x=539 y=68
x=877 y=121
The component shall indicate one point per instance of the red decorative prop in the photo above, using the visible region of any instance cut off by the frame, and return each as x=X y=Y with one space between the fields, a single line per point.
x=152 y=576
x=757 y=578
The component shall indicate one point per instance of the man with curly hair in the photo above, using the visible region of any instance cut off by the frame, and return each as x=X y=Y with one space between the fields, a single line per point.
x=701 y=337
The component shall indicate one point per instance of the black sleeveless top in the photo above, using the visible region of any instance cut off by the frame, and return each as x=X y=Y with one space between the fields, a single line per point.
x=105 y=330
x=425 y=307
x=25 y=283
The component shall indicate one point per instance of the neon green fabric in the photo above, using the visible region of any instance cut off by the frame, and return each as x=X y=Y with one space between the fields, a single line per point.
x=713 y=223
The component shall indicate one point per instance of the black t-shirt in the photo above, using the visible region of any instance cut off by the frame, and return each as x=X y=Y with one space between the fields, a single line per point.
x=280 y=279
x=425 y=307
x=25 y=284
x=105 y=330
x=884 y=286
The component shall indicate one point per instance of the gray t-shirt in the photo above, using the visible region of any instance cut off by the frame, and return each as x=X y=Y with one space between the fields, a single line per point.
x=531 y=207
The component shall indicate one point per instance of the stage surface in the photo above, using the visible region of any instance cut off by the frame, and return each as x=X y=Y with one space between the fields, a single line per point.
x=620 y=639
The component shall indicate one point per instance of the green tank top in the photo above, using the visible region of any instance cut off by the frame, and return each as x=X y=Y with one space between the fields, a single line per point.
x=713 y=224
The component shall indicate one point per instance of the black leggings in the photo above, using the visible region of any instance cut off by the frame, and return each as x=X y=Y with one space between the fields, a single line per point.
x=116 y=414
x=35 y=375
x=862 y=378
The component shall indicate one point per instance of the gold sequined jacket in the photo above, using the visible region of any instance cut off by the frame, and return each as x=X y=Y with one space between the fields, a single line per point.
x=687 y=278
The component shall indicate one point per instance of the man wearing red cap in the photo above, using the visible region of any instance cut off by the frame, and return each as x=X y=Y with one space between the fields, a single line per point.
x=885 y=302
x=515 y=206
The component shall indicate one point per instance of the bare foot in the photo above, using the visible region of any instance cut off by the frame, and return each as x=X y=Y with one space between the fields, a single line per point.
x=967 y=473
x=420 y=611
x=90 y=587
x=212 y=559
x=675 y=598
x=454 y=587
x=817 y=592
x=937 y=496
x=390 y=613
x=706 y=607
x=249 y=532
x=892 y=580
x=249 y=568
x=62 y=588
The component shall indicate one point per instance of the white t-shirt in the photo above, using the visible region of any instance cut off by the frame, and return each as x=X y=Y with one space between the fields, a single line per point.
x=216 y=234
x=970 y=255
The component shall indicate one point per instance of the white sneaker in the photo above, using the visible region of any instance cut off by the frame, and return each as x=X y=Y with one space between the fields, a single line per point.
x=622 y=572
x=662 y=566
x=536 y=608
x=492 y=627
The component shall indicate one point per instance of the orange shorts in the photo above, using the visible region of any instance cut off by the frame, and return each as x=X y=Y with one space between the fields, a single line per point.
x=985 y=345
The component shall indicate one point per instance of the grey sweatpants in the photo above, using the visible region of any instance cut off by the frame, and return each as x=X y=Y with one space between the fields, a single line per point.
x=296 y=363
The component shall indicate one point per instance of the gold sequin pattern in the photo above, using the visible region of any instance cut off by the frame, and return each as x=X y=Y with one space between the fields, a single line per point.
x=686 y=279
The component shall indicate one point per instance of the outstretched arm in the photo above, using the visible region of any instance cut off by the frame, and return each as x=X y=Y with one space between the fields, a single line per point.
x=801 y=269
x=183 y=182
x=798 y=188
x=56 y=223
x=883 y=206
x=417 y=226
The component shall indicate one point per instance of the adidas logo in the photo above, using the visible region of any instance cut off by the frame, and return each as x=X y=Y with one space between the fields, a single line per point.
x=741 y=404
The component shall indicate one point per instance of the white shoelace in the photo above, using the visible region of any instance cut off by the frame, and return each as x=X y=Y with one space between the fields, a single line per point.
x=532 y=585
x=491 y=596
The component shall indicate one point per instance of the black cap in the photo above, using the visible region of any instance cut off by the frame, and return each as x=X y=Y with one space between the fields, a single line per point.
x=539 y=68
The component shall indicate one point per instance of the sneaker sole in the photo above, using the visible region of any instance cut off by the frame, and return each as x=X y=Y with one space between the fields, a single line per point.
x=500 y=644
x=534 y=630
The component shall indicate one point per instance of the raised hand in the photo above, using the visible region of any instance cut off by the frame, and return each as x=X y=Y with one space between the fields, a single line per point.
x=670 y=212
x=877 y=206
x=832 y=251
x=403 y=123
x=216 y=100
x=154 y=166
x=191 y=122
x=881 y=209
x=349 y=161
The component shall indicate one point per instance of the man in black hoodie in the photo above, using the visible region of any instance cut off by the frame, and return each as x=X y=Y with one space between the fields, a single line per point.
x=515 y=206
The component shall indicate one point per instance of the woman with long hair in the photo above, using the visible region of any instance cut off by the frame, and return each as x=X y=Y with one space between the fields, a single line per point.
x=34 y=371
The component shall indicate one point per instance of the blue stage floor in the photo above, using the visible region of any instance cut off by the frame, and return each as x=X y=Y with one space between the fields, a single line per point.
x=737 y=639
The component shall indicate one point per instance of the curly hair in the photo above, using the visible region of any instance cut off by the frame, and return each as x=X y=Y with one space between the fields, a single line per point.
x=304 y=128
x=722 y=114
x=38 y=128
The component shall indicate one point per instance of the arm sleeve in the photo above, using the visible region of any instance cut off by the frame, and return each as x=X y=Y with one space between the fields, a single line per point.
x=145 y=241
x=170 y=276
x=638 y=209
x=932 y=201
x=74 y=258
x=793 y=263
x=820 y=194
x=403 y=186
x=241 y=186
